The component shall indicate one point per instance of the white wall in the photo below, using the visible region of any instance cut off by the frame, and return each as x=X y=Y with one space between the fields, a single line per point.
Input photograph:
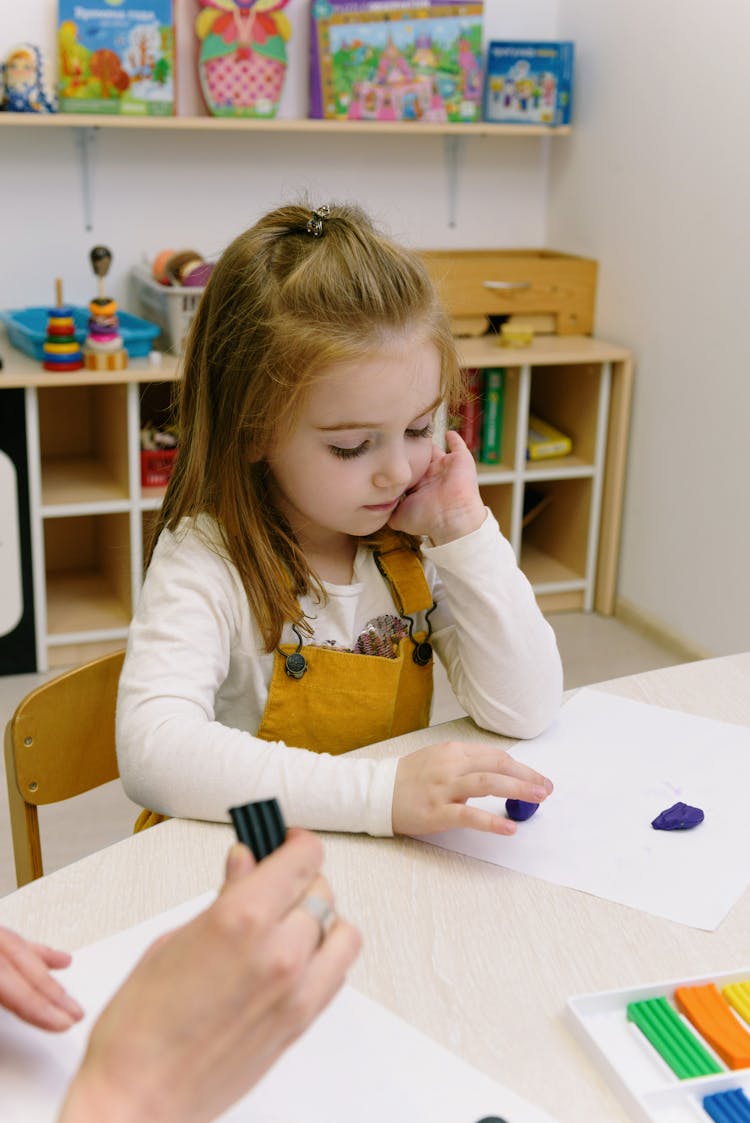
x=655 y=183
x=155 y=190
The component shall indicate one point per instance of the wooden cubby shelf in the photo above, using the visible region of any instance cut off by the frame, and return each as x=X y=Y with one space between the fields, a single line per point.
x=90 y=518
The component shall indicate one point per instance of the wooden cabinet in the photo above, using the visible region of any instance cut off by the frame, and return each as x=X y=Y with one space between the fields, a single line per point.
x=90 y=516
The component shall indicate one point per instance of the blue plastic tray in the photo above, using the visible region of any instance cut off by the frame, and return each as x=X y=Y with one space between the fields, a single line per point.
x=27 y=330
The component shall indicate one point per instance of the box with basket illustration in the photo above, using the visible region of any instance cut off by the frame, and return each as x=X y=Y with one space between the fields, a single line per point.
x=391 y=60
x=116 y=57
x=528 y=83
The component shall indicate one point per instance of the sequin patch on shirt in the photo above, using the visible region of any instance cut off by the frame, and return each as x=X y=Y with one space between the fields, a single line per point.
x=380 y=636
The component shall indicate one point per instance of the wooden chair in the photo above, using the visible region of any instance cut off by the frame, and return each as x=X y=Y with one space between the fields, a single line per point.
x=59 y=743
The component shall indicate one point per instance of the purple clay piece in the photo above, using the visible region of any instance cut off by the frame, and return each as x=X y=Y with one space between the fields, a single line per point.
x=678 y=817
x=518 y=810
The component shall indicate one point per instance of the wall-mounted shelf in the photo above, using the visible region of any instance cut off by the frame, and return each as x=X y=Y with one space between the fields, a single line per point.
x=454 y=135
x=273 y=125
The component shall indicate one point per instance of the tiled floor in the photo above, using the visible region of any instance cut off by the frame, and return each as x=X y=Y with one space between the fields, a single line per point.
x=593 y=648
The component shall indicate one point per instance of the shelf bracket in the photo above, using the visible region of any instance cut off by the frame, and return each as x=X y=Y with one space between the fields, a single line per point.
x=453 y=148
x=85 y=142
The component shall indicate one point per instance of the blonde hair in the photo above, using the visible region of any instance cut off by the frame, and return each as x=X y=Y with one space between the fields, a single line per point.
x=281 y=306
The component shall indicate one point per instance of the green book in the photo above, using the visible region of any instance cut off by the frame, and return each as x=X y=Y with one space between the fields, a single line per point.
x=493 y=394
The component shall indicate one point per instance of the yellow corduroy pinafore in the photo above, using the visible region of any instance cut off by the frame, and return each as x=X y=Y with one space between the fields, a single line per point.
x=334 y=701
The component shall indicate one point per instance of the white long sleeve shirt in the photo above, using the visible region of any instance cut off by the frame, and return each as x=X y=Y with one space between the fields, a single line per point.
x=196 y=677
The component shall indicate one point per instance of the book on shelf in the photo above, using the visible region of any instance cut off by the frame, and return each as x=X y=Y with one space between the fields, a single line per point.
x=116 y=58
x=493 y=395
x=395 y=60
x=469 y=419
x=544 y=440
x=528 y=83
x=480 y=419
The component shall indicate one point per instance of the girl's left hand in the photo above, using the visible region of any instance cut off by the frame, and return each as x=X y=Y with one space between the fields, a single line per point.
x=445 y=503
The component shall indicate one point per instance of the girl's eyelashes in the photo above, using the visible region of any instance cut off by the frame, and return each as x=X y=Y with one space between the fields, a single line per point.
x=425 y=431
x=358 y=450
x=349 y=453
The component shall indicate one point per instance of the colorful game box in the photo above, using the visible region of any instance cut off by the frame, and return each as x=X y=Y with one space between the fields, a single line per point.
x=528 y=83
x=391 y=60
x=116 y=56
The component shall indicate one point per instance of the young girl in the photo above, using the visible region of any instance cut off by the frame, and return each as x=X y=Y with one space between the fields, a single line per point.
x=316 y=547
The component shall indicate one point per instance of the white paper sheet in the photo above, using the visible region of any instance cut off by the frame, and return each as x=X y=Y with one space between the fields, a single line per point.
x=615 y=765
x=357 y=1062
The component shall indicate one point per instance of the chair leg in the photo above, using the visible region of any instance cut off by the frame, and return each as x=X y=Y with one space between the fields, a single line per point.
x=24 y=824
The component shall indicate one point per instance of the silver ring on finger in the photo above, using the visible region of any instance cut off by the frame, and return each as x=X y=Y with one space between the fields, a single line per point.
x=320 y=910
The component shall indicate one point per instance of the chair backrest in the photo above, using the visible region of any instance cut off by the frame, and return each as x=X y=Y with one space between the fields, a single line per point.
x=59 y=743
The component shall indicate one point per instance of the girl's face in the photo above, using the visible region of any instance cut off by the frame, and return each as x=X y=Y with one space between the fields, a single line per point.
x=363 y=438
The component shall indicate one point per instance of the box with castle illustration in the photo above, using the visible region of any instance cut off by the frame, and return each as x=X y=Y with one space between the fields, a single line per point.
x=390 y=60
x=116 y=57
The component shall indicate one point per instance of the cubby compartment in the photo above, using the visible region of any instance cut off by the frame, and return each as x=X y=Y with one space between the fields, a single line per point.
x=499 y=499
x=83 y=438
x=555 y=552
x=87 y=580
x=568 y=397
x=157 y=403
x=156 y=408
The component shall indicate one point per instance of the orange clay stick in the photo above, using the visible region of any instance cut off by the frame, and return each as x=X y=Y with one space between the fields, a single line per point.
x=712 y=1017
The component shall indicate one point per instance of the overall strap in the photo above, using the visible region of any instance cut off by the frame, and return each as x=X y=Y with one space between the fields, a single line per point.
x=401 y=566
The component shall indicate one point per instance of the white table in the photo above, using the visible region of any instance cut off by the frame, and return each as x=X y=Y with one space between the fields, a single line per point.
x=478 y=957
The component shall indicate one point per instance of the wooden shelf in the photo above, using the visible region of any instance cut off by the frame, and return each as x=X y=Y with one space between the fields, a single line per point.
x=20 y=370
x=83 y=601
x=543 y=569
x=274 y=125
x=79 y=482
x=546 y=350
x=558 y=468
x=91 y=518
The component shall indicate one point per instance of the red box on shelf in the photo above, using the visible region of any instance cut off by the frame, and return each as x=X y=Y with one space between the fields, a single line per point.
x=156 y=466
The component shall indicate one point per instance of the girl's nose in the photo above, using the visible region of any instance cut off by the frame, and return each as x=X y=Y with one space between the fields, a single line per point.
x=394 y=471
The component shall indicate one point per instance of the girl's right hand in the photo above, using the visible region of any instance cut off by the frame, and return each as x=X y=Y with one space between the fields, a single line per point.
x=434 y=783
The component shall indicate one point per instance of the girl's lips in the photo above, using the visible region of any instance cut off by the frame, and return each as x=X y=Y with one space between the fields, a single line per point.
x=383 y=506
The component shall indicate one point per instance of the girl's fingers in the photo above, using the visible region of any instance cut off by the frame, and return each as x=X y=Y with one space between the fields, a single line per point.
x=479 y=784
x=484 y=758
x=475 y=818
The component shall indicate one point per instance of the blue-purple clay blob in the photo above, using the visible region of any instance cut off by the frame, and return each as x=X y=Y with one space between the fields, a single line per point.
x=518 y=810
x=678 y=817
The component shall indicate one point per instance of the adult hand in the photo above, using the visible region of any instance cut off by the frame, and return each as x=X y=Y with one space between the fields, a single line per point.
x=445 y=503
x=212 y=1005
x=27 y=988
x=434 y=783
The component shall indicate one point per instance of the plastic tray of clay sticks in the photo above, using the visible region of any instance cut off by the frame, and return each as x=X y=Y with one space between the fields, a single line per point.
x=678 y=1051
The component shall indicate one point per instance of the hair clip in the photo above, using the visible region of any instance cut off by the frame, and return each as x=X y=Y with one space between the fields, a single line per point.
x=315 y=222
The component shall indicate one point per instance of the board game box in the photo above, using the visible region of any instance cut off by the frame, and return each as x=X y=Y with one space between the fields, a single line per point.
x=528 y=83
x=116 y=57
x=391 y=60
